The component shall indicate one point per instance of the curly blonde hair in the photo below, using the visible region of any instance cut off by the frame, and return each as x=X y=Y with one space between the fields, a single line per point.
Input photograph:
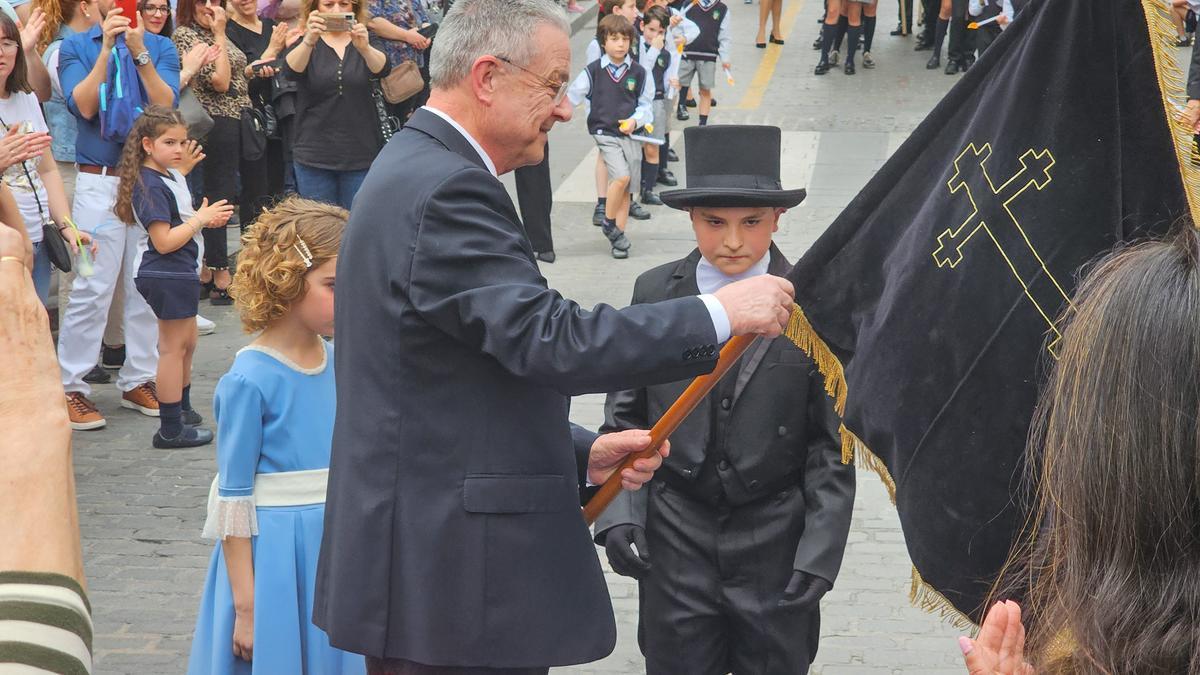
x=271 y=267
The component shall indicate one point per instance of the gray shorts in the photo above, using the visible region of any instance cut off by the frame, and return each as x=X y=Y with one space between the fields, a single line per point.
x=706 y=70
x=662 y=119
x=622 y=157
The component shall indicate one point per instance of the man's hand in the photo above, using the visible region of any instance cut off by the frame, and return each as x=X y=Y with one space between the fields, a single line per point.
x=610 y=450
x=620 y=544
x=1190 y=116
x=1000 y=647
x=758 y=306
x=114 y=24
x=805 y=590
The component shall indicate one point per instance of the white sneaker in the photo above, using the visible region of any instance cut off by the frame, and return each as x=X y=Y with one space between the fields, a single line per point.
x=204 y=326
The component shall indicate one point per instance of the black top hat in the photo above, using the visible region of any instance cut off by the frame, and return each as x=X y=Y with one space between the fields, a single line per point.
x=732 y=165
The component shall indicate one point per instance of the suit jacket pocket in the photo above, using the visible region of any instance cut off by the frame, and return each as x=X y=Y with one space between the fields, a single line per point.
x=519 y=493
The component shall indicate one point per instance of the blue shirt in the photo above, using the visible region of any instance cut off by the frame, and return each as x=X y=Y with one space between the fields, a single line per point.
x=154 y=201
x=75 y=60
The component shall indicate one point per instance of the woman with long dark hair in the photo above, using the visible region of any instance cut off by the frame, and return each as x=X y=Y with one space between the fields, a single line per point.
x=1110 y=583
x=222 y=88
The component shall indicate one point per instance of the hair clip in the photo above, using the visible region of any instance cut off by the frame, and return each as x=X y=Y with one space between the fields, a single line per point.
x=302 y=249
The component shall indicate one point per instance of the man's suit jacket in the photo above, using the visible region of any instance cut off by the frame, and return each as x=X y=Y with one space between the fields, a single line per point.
x=780 y=423
x=453 y=533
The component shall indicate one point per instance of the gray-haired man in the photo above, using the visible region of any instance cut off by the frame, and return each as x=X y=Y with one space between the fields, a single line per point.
x=453 y=539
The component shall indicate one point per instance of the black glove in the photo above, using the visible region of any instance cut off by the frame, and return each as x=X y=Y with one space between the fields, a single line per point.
x=805 y=590
x=621 y=556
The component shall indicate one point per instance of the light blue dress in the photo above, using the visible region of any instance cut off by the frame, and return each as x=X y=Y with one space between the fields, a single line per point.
x=272 y=416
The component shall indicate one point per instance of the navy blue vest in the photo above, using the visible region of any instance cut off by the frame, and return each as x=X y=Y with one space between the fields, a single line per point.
x=707 y=44
x=659 y=72
x=612 y=101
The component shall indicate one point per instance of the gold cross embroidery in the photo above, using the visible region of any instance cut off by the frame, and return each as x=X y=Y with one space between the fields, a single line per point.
x=991 y=213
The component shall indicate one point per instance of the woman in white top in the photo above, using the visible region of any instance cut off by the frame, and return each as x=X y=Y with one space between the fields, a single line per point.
x=30 y=172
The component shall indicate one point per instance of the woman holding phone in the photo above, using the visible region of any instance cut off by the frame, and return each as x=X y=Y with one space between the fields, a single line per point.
x=223 y=89
x=262 y=41
x=337 y=129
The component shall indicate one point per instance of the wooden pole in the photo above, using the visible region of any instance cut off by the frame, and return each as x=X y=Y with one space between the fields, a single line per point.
x=669 y=422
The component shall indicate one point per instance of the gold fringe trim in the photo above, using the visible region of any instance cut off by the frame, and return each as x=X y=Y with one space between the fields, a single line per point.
x=1172 y=82
x=802 y=334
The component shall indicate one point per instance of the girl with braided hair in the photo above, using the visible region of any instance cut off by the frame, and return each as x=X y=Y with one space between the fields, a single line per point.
x=275 y=411
x=153 y=194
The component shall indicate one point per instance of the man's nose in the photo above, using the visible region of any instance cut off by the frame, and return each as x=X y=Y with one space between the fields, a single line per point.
x=564 y=110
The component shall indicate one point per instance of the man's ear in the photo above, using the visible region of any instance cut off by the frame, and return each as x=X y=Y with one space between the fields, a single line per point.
x=483 y=76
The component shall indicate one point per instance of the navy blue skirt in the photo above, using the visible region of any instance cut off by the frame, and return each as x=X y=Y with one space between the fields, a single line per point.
x=170 y=298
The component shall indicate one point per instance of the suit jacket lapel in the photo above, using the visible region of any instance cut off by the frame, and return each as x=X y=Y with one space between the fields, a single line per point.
x=778 y=266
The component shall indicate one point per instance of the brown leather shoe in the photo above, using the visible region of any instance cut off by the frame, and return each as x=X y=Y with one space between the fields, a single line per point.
x=83 y=413
x=142 y=398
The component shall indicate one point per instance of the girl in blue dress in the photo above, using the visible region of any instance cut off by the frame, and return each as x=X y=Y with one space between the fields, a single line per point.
x=275 y=410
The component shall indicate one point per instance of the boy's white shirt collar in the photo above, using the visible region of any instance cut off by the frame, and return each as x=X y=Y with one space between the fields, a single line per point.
x=709 y=279
x=606 y=62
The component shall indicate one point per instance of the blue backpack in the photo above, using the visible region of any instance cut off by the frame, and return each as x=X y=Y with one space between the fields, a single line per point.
x=122 y=97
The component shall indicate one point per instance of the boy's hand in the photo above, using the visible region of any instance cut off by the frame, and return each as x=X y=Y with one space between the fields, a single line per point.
x=659 y=41
x=727 y=65
x=1002 y=20
x=676 y=20
x=675 y=83
x=627 y=126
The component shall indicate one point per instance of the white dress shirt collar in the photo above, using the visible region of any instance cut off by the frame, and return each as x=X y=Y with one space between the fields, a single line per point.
x=709 y=279
x=491 y=166
x=606 y=62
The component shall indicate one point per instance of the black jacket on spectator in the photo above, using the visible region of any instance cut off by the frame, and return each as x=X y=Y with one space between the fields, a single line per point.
x=453 y=533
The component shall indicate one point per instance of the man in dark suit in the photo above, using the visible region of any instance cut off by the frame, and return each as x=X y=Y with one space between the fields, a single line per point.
x=742 y=530
x=454 y=541
x=536 y=199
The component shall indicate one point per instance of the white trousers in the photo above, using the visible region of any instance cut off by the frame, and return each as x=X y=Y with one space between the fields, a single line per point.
x=82 y=325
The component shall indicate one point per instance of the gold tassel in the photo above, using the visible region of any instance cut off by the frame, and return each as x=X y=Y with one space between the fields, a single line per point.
x=802 y=334
x=1172 y=83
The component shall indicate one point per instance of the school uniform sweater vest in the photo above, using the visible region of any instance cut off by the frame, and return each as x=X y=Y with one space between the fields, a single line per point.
x=706 y=45
x=659 y=74
x=613 y=100
x=991 y=8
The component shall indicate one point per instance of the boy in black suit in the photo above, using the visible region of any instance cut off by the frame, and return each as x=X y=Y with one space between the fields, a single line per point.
x=742 y=530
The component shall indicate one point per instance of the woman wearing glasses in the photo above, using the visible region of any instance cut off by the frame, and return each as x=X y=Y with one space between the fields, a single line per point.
x=337 y=128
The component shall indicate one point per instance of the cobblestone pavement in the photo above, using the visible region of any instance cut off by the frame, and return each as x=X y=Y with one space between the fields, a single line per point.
x=142 y=509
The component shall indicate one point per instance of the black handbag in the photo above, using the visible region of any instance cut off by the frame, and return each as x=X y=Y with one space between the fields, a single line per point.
x=254 y=134
x=388 y=124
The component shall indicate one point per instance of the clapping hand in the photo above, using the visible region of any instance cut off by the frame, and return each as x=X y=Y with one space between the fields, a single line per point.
x=216 y=214
x=193 y=154
x=279 y=38
x=32 y=29
x=1000 y=647
x=16 y=147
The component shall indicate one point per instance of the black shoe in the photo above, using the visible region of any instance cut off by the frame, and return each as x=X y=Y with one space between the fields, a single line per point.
x=648 y=197
x=934 y=63
x=899 y=32
x=97 y=375
x=190 y=437
x=192 y=418
x=547 y=256
x=637 y=212
x=112 y=357
x=681 y=113
x=617 y=238
x=620 y=254
x=922 y=45
x=671 y=156
x=206 y=287
x=220 y=297
x=822 y=68
x=713 y=102
x=598 y=216
x=760 y=45
x=817 y=42
x=966 y=65
x=849 y=69
x=665 y=177
x=775 y=41
x=953 y=66
x=691 y=103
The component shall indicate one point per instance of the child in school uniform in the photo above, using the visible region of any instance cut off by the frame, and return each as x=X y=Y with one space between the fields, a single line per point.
x=981 y=10
x=680 y=33
x=153 y=194
x=701 y=55
x=275 y=410
x=620 y=96
x=631 y=10
x=664 y=70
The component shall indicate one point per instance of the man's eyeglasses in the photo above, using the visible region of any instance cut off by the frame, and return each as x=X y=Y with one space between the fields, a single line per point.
x=558 y=88
x=156 y=9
